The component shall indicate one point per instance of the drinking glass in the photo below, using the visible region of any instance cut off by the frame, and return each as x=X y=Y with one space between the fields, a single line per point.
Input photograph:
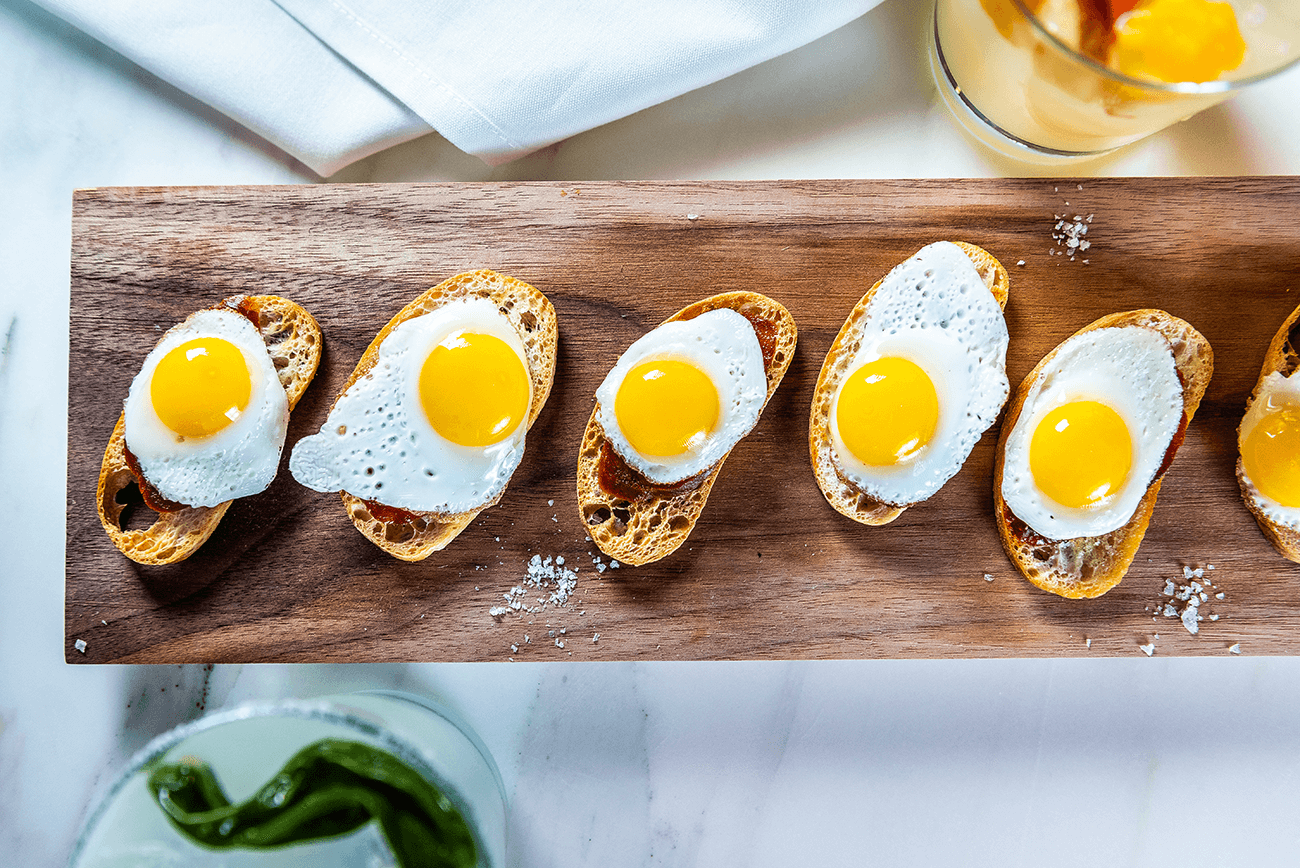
x=246 y=746
x=1016 y=85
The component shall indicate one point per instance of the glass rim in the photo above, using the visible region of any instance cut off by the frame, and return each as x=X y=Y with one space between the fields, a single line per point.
x=1191 y=88
x=325 y=708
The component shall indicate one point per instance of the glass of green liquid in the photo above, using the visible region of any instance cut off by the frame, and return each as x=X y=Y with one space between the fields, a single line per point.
x=373 y=779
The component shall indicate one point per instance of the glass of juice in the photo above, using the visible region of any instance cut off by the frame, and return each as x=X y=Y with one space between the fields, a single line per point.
x=373 y=779
x=1058 y=80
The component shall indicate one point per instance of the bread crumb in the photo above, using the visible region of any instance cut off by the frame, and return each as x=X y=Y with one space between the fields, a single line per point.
x=80 y=645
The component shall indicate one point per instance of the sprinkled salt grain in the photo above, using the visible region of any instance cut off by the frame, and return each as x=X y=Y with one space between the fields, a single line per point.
x=988 y=577
x=1021 y=262
x=80 y=645
x=1087 y=643
x=613 y=564
x=514 y=649
x=1148 y=649
x=550 y=503
x=1234 y=649
x=595 y=638
x=692 y=216
x=1192 y=595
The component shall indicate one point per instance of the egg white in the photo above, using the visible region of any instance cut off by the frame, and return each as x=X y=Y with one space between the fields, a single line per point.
x=378 y=443
x=240 y=459
x=1275 y=390
x=1132 y=371
x=935 y=311
x=723 y=345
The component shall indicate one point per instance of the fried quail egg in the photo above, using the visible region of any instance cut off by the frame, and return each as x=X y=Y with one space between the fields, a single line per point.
x=1269 y=441
x=438 y=424
x=681 y=396
x=206 y=416
x=1093 y=433
x=927 y=377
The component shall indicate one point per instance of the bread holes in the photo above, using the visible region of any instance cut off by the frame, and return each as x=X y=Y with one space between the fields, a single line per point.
x=596 y=515
x=528 y=321
x=398 y=533
x=622 y=518
x=132 y=514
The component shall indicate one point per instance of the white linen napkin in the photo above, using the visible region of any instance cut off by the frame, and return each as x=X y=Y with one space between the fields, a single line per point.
x=332 y=81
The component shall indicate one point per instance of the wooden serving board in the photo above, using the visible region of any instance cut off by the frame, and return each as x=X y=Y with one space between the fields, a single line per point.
x=771 y=570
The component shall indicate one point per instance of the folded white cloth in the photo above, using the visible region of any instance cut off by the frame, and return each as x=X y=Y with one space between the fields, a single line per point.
x=332 y=81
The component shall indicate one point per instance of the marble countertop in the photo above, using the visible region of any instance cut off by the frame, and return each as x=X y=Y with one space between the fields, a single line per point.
x=1134 y=761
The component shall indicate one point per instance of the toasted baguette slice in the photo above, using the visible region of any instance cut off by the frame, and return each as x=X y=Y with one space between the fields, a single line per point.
x=847 y=498
x=293 y=340
x=1283 y=357
x=1088 y=567
x=646 y=522
x=412 y=535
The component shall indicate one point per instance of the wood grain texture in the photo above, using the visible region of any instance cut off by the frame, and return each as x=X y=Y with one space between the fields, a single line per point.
x=771 y=570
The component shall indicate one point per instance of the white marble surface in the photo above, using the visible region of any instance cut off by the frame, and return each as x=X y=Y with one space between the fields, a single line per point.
x=1145 y=762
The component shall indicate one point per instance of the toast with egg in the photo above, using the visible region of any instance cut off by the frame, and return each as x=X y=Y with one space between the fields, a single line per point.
x=1089 y=566
x=1283 y=359
x=842 y=493
x=642 y=521
x=293 y=340
x=413 y=535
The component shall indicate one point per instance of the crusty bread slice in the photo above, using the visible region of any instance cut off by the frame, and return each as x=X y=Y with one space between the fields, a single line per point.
x=1088 y=567
x=645 y=522
x=293 y=340
x=840 y=492
x=1283 y=356
x=409 y=535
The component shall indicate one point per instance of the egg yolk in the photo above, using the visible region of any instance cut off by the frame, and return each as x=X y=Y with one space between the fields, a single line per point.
x=474 y=389
x=201 y=386
x=1080 y=454
x=1270 y=455
x=1179 y=40
x=887 y=411
x=666 y=407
